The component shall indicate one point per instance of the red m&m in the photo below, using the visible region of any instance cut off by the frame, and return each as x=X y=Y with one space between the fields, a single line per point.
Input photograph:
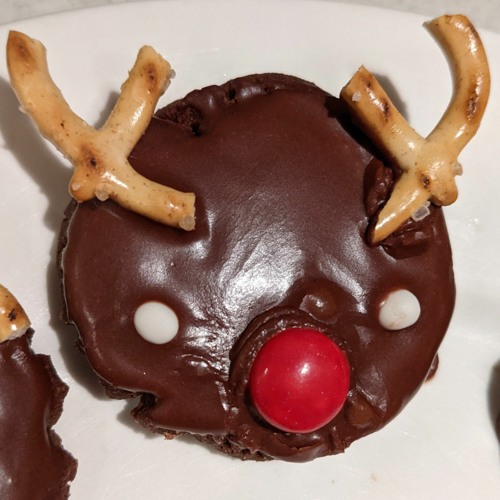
x=299 y=380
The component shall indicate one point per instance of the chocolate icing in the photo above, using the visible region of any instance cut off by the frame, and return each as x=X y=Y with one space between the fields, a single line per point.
x=32 y=462
x=283 y=183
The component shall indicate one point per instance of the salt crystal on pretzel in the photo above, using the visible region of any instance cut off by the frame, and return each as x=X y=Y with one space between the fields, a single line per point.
x=100 y=157
x=13 y=320
x=429 y=165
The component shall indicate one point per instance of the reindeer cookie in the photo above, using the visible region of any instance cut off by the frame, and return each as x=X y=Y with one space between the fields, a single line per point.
x=302 y=305
x=32 y=462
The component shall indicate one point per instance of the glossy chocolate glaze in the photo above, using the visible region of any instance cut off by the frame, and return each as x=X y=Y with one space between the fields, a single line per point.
x=284 y=188
x=32 y=462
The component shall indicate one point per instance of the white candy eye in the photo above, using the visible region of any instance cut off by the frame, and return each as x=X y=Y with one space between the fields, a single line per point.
x=156 y=322
x=399 y=310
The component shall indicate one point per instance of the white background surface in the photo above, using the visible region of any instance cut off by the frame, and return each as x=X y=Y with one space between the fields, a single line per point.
x=484 y=13
x=443 y=445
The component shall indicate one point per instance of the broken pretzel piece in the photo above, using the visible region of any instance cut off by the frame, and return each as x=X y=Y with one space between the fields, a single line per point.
x=13 y=320
x=100 y=157
x=428 y=165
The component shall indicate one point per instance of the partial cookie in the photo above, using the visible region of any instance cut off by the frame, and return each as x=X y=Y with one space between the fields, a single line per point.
x=33 y=463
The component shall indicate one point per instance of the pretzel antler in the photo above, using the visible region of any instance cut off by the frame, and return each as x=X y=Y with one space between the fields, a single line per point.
x=429 y=165
x=13 y=320
x=100 y=156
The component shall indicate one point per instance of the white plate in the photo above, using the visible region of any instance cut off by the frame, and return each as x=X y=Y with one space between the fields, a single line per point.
x=444 y=444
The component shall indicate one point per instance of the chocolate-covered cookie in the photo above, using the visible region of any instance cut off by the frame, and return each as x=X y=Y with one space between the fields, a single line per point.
x=192 y=321
x=33 y=463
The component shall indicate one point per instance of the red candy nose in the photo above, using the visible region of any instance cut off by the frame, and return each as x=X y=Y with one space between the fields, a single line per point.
x=299 y=380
